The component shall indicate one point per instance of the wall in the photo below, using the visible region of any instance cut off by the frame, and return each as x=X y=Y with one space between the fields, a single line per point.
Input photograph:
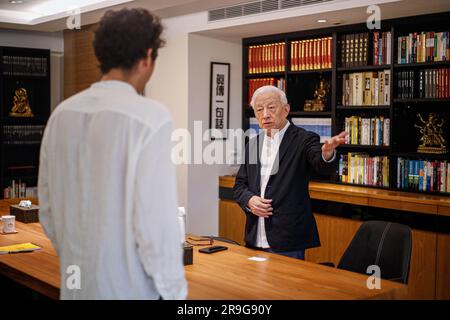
x=181 y=82
x=203 y=179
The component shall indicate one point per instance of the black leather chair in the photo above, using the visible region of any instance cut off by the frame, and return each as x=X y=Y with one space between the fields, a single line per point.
x=385 y=244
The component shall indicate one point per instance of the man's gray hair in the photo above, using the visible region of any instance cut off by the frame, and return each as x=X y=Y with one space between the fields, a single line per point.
x=265 y=89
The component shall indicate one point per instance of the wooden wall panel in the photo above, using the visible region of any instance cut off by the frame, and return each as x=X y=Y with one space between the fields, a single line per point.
x=422 y=272
x=443 y=267
x=335 y=236
x=231 y=221
x=80 y=64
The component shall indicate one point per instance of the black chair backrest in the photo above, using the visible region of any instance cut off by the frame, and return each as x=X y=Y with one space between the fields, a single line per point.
x=385 y=244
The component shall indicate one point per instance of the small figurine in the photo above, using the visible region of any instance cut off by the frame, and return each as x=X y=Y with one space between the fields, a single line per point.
x=432 y=139
x=318 y=104
x=21 y=106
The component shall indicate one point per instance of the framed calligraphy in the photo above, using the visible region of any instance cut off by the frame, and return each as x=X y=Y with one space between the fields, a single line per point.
x=219 y=100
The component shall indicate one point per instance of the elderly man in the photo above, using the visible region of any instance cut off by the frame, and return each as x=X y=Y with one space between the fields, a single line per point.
x=273 y=190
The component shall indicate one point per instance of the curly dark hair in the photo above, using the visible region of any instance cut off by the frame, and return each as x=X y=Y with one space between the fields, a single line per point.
x=123 y=37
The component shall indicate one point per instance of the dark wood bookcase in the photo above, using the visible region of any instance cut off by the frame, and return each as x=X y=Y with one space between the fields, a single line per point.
x=403 y=136
x=20 y=137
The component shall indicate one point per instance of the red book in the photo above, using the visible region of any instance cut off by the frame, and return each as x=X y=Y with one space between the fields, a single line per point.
x=330 y=52
x=283 y=53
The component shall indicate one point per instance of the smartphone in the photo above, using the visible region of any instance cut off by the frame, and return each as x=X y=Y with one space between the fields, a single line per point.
x=212 y=249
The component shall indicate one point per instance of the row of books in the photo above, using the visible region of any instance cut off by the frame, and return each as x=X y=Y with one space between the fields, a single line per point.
x=423 y=47
x=19 y=190
x=24 y=66
x=313 y=54
x=254 y=84
x=360 y=168
x=266 y=58
x=382 y=46
x=355 y=49
x=366 y=88
x=367 y=131
x=422 y=175
x=24 y=134
x=434 y=83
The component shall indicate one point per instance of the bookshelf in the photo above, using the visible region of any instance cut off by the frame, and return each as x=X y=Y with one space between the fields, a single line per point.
x=20 y=136
x=390 y=89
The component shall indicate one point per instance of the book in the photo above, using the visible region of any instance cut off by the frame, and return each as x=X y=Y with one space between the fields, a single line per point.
x=17 y=248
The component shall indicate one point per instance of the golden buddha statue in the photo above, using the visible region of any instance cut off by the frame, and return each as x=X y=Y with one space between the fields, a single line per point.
x=21 y=106
x=318 y=104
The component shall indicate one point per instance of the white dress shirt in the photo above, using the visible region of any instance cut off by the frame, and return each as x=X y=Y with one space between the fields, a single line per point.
x=269 y=156
x=107 y=193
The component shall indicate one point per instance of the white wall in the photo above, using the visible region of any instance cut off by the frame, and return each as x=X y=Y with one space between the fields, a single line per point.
x=169 y=86
x=203 y=189
x=181 y=82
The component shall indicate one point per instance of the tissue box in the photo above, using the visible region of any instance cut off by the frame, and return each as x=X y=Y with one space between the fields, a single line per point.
x=187 y=254
x=25 y=215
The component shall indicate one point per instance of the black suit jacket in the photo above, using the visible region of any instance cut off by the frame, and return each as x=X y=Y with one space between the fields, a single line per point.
x=292 y=225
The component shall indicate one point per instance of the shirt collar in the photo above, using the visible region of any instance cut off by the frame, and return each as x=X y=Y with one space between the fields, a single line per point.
x=280 y=133
x=114 y=84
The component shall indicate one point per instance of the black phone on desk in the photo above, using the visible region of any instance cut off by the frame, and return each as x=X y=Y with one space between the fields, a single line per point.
x=212 y=249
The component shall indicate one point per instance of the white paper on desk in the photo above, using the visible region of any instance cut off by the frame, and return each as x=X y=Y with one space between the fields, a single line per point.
x=259 y=259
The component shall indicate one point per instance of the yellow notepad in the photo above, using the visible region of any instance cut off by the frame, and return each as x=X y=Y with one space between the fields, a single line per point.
x=17 y=248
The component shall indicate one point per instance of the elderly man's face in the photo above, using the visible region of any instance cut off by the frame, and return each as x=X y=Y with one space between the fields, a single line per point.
x=270 y=111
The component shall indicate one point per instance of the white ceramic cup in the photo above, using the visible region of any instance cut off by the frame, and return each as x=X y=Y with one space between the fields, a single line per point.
x=9 y=224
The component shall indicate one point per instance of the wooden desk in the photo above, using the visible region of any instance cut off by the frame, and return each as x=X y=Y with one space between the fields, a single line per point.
x=222 y=275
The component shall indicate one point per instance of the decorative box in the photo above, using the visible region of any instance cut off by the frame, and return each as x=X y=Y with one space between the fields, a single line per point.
x=24 y=214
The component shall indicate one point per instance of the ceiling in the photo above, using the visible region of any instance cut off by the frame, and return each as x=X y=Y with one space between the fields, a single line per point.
x=54 y=19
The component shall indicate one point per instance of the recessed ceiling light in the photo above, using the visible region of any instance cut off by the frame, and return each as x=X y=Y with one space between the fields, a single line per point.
x=322 y=20
x=15 y=1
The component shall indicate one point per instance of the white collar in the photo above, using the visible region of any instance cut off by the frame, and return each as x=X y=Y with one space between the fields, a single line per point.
x=114 y=84
x=279 y=134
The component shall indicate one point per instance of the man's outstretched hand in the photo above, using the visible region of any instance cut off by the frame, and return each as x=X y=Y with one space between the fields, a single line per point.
x=331 y=144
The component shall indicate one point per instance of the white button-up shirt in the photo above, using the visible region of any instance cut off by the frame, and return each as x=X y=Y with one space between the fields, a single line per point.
x=269 y=154
x=107 y=193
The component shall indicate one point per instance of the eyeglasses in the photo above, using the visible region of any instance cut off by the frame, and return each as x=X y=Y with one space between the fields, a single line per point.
x=206 y=241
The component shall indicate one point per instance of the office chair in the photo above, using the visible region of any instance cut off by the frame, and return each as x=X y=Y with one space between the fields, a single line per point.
x=385 y=244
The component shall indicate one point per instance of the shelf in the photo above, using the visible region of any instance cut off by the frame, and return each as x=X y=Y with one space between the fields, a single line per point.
x=417 y=100
x=421 y=155
x=362 y=108
x=20 y=177
x=364 y=68
x=265 y=75
x=310 y=114
x=309 y=71
x=363 y=147
x=423 y=64
x=29 y=77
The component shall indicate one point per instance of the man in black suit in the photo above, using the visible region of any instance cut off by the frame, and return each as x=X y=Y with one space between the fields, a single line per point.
x=272 y=185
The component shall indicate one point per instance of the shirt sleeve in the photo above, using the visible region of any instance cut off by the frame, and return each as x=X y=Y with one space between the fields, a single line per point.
x=155 y=221
x=45 y=212
x=332 y=158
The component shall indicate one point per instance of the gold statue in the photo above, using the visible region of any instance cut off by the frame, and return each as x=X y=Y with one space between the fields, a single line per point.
x=432 y=139
x=21 y=106
x=318 y=104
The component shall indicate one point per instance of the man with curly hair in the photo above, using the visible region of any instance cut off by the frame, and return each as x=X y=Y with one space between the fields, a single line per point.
x=107 y=185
